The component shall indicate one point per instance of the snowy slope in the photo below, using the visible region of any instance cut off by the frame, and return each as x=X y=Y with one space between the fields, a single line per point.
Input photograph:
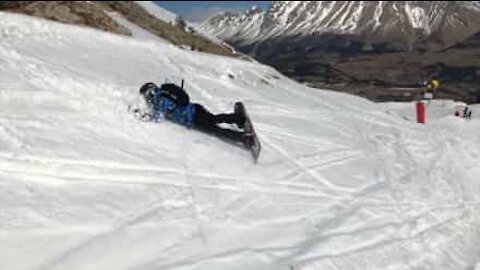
x=137 y=31
x=340 y=184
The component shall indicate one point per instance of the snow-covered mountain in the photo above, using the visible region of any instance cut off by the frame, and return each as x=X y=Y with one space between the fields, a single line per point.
x=306 y=40
x=400 y=22
x=342 y=183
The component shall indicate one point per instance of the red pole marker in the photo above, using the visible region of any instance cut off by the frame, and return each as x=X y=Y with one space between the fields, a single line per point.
x=420 y=112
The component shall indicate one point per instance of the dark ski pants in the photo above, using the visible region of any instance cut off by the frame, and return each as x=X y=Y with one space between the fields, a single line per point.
x=207 y=122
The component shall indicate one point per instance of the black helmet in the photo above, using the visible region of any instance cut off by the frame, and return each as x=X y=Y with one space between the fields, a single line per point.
x=148 y=87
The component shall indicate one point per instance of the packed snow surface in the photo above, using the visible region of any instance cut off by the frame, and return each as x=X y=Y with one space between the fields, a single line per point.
x=135 y=30
x=341 y=183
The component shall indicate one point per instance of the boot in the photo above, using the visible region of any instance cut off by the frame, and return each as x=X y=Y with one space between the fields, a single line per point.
x=239 y=110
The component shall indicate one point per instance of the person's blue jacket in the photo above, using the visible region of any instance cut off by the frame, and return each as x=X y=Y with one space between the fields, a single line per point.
x=165 y=106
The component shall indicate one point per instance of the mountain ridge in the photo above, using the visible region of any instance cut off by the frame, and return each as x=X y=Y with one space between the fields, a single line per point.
x=407 y=23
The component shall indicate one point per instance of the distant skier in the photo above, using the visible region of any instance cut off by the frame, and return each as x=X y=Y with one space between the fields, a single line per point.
x=467 y=113
x=432 y=86
x=172 y=103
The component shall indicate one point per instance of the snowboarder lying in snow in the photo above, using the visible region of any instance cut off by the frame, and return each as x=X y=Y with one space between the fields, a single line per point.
x=172 y=103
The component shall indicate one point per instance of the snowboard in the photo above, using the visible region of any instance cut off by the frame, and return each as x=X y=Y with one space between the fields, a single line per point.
x=254 y=145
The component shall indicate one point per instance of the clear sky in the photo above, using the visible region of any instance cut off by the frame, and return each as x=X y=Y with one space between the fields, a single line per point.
x=196 y=11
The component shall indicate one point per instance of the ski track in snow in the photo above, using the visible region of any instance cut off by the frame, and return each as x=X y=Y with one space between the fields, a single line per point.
x=340 y=183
